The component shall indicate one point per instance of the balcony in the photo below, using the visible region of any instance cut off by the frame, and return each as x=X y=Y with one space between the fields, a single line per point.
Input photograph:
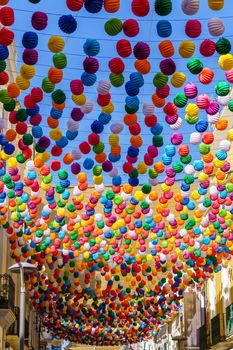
x=202 y=338
x=7 y=301
x=215 y=330
x=13 y=331
x=7 y=292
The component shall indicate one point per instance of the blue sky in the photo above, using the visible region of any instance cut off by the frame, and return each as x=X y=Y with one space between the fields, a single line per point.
x=92 y=26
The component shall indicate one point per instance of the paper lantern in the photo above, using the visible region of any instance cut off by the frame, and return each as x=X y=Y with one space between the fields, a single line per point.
x=55 y=75
x=167 y=66
x=112 y=6
x=91 y=47
x=47 y=85
x=39 y=20
x=206 y=76
x=6 y=37
x=193 y=28
x=178 y=79
x=142 y=66
x=124 y=48
x=163 y=92
x=190 y=7
x=203 y=101
x=116 y=65
x=140 y=8
x=22 y=83
x=93 y=6
x=195 y=66
x=59 y=60
x=37 y=94
x=216 y=27
x=166 y=48
x=160 y=80
x=56 y=43
x=229 y=76
x=87 y=107
x=131 y=28
x=164 y=28
x=163 y=7
x=216 y=5
x=30 y=40
x=180 y=100
x=91 y=65
x=113 y=26
x=224 y=100
x=13 y=90
x=3 y=2
x=4 y=78
x=191 y=90
x=207 y=48
x=4 y=53
x=7 y=16
x=67 y=23
x=88 y=79
x=222 y=88
x=27 y=72
x=186 y=48
x=148 y=109
x=74 y=5
x=76 y=87
x=223 y=46
x=141 y=50
x=158 y=101
x=226 y=62
x=117 y=80
x=30 y=57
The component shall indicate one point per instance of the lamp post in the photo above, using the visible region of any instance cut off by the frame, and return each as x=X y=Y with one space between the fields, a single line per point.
x=22 y=269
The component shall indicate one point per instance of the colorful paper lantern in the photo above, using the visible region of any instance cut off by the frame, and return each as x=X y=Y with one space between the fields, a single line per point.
x=190 y=7
x=216 y=27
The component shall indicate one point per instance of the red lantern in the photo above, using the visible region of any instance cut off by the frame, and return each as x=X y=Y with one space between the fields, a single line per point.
x=124 y=48
x=12 y=118
x=74 y=5
x=148 y=160
x=193 y=28
x=170 y=109
x=29 y=101
x=135 y=129
x=131 y=27
x=150 y=120
x=21 y=128
x=37 y=94
x=103 y=100
x=4 y=78
x=55 y=165
x=116 y=65
x=207 y=48
x=7 y=16
x=35 y=120
x=127 y=167
x=93 y=139
x=140 y=8
x=56 y=151
x=6 y=37
x=163 y=92
x=76 y=87
x=84 y=147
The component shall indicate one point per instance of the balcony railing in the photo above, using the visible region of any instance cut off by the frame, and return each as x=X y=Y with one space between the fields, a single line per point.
x=202 y=338
x=229 y=320
x=7 y=292
x=215 y=329
x=14 y=328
